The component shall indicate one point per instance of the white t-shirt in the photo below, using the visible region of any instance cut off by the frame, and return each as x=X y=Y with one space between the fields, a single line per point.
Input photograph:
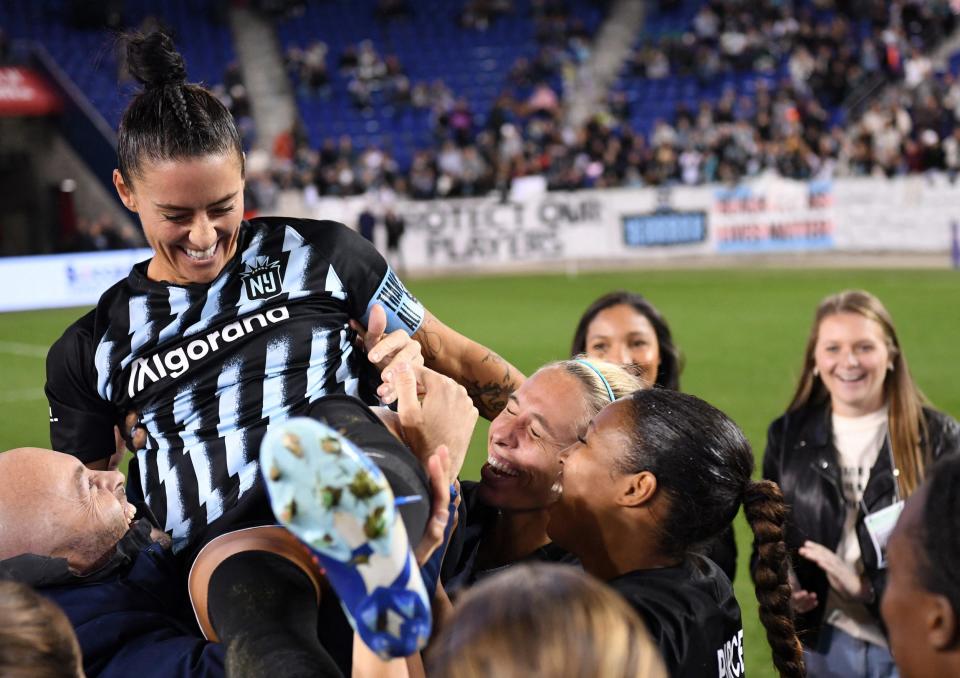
x=858 y=441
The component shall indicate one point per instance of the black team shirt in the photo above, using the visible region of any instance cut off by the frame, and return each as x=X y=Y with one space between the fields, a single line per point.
x=692 y=615
x=209 y=366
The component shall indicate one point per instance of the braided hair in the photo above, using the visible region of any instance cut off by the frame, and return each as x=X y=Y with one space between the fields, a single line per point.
x=766 y=513
x=703 y=463
x=170 y=119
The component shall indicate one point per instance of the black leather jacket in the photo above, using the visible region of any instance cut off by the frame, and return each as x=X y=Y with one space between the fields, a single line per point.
x=802 y=459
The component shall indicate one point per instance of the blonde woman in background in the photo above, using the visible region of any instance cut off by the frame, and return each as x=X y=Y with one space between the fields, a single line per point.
x=503 y=517
x=854 y=443
x=36 y=640
x=544 y=619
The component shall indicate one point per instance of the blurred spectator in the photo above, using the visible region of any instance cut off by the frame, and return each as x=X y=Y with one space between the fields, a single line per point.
x=103 y=233
x=366 y=223
x=4 y=46
x=313 y=68
x=543 y=100
x=36 y=638
x=395 y=226
x=348 y=60
x=805 y=61
x=478 y=14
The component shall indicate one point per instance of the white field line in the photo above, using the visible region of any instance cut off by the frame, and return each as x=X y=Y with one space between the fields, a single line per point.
x=22 y=395
x=24 y=350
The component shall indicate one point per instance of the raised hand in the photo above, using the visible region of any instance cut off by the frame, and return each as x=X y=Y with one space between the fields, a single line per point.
x=445 y=416
x=802 y=601
x=133 y=434
x=842 y=577
x=386 y=351
x=438 y=470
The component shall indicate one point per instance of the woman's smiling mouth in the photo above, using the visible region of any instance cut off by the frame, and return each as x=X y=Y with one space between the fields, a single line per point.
x=201 y=255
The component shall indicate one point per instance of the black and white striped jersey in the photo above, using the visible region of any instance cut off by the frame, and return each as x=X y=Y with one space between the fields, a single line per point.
x=208 y=366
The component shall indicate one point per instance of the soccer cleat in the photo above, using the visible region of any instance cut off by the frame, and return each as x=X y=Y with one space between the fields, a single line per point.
x=329 y=494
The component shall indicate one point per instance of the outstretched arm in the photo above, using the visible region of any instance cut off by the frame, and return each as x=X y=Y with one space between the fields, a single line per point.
x=488 y=378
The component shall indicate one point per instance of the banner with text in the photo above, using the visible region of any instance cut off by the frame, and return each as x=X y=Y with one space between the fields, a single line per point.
x=616 y=226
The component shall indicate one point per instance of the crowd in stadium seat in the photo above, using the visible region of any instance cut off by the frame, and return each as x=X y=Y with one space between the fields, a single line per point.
x=292 y=327
x=789 y=123
x=470 y=155
x=799 y=62
x=765 y=90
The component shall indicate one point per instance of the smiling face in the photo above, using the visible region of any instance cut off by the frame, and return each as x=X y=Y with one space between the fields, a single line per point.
x=53 y=505
x=622 y=335
x=590 y=480
x=852 y=357
x=541 y=419
x=191 y=211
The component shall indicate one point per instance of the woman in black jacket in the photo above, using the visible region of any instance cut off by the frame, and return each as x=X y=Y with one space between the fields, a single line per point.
x=853 y=444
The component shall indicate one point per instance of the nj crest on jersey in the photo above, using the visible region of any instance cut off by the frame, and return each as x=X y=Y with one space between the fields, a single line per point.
x=262 y=278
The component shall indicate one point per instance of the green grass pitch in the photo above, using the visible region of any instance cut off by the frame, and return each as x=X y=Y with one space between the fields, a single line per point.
x=742 y=332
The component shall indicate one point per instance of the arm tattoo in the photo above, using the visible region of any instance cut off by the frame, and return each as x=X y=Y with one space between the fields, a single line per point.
x=491 y=397
x=489 y=381
x=430 y=342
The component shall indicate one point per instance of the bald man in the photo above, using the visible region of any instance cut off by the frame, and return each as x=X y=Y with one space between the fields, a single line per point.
x=52 y=505
x=71 y=533
x=63 y=524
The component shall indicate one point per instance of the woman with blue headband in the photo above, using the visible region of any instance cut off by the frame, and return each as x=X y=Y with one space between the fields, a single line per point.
x=504 y=516
x=625 y=328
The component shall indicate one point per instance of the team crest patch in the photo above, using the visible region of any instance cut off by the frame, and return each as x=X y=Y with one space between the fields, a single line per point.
x=262 y=278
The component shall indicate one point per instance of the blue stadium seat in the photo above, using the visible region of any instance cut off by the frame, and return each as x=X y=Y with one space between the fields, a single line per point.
x=89 y=55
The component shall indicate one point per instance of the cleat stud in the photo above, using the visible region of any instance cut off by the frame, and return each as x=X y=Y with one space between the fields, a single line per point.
x=292 y=443
x=375 y=526
x=330 y=496
x=363 y=486
x=288 y=512
x=330 y=445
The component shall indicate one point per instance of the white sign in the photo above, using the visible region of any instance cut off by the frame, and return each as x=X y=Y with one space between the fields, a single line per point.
x=768 y=214
x=63 y=280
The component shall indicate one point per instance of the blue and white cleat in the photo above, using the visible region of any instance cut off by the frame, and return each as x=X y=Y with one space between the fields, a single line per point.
x=329 y=494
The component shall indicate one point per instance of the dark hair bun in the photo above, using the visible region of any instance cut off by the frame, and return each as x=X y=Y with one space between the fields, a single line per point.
x=154 y=62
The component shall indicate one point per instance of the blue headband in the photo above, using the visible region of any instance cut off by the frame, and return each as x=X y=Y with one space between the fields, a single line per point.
x=599 y=374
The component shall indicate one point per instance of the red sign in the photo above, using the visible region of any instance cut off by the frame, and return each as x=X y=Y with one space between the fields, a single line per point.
x=25 y=92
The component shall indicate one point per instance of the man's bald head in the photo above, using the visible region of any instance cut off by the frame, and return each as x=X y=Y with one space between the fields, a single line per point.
x=52 y=505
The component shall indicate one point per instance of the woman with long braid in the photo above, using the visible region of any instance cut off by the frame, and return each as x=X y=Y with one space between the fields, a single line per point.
x=657 y=474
